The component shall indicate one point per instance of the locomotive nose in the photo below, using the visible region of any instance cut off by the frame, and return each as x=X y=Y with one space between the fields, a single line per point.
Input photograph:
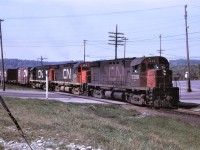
x=159 y=78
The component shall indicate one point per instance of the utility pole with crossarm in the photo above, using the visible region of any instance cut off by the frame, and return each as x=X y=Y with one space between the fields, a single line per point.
x=117 y=39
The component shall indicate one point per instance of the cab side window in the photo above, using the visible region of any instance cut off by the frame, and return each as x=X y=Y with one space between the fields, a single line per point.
x=135 y=69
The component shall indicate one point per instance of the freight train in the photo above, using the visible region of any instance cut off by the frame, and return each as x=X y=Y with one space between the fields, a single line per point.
x=142 y=81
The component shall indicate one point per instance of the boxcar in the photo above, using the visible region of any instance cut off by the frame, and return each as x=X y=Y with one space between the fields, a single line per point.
x=23 y=75
x=11 y=76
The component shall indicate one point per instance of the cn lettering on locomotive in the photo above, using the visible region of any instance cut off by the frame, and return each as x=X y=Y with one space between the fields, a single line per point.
x=114 y=72
x=67 y=73
x=40 y=74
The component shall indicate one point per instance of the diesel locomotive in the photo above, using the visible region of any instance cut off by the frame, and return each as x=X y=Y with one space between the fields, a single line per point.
x=142 y=81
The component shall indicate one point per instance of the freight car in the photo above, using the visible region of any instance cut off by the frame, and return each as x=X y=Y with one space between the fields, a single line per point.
x=23 y=75
x=142 y=81
x=11 y=76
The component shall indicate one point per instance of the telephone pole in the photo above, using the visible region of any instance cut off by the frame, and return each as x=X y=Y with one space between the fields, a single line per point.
x=125 y=39
x=116 y=39
x=3 y=79
x=84 y=42
x=160 y=50
x=187 y=49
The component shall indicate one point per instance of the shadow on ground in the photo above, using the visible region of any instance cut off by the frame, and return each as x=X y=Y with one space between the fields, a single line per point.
x=187 y=105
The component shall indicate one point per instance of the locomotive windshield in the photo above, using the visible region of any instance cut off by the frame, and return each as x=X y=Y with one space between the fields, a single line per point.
x=157 y=66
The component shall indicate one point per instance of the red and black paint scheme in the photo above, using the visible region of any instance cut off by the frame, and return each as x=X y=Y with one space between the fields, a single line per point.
x=142 y=81
x=70 y=77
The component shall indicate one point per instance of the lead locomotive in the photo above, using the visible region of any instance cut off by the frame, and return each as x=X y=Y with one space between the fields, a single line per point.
x=141 y=81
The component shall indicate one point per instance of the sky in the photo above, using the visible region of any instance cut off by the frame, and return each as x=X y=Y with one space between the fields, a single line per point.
x=55 y=29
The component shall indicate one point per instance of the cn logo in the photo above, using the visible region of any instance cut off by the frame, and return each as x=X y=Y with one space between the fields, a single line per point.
x=67 y=74
x=40 y=74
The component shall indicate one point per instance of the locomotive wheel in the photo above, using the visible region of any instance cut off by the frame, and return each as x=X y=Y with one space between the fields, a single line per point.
x=98 y=94
x=33 y=86
x=76 y=91
x=44 y=87
x=57 y=88
x=157 y=104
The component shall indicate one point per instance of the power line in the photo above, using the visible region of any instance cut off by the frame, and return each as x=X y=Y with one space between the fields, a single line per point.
x=95 y=14
x=43 y=46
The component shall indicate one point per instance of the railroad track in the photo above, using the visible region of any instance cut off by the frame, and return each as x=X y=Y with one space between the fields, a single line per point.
x=108 y=101
x=179 y=111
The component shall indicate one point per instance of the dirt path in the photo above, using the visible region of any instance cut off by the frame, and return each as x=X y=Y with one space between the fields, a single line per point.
x=175 y=114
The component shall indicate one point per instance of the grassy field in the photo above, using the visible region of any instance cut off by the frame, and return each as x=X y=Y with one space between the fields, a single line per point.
x=17 y=87
x=105 y=126
x=14 y=87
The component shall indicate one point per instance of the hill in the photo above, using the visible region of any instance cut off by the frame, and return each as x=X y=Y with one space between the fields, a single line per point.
x=181 y=62
x=16 y=63
x=179 y=68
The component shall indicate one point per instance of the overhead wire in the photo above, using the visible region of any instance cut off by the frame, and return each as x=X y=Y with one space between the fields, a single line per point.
x=94 y=14
x=143 y=41
x=103 y=42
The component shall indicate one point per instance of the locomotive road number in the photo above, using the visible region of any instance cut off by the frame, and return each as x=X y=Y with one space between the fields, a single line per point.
x=135 y=76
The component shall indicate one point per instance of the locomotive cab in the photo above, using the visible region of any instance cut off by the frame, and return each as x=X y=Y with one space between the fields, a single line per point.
x=151 y=72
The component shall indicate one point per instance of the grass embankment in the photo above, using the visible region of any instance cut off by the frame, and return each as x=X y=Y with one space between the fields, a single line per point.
x=110 y=127
x=17 y=87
